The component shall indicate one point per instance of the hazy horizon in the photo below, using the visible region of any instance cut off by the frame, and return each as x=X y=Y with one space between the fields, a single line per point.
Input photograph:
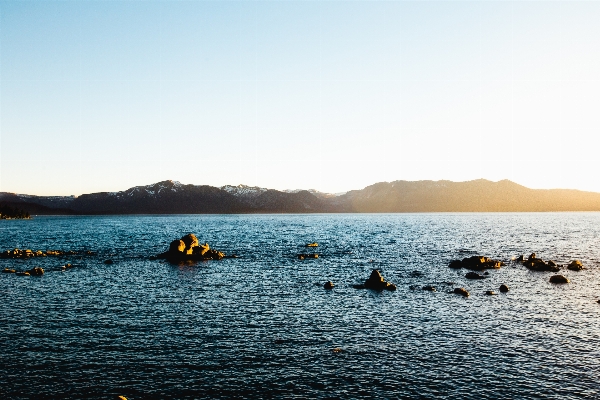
x=332 y=96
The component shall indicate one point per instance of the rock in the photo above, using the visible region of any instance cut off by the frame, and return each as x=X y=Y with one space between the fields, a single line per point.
x=520 y=258
x=315 y=244
x=328 y=285
x=337 y=350
x=429 y=288
x=108 y=262
x=476 y=263
x=376 y=282
x=190 y=240
x=462 y=292
x=474 y=275
x=559 y=279
x=537 y=264
x=36 y=271
x=188 y=248
x=490 y=292
x=575 y=265
x=177 y=246
x=8 y=271
x=22 y=273
x=303 y=256
x=504 y=288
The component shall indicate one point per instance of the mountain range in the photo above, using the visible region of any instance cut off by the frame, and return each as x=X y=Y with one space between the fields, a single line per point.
x=171 y=197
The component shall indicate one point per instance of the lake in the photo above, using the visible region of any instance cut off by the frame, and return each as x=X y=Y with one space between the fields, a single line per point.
x=262 y=326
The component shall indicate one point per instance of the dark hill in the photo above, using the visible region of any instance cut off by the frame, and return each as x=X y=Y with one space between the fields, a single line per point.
x=170 y=197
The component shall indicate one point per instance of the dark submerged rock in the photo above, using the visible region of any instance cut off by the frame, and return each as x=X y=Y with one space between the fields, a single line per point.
x=429 y=288
x=462 y=292
x=474 y=275
x=36 y=271
x=328 y=285
x=559 y=279
x=455 y=264
x=504 y=288
x=108 y=262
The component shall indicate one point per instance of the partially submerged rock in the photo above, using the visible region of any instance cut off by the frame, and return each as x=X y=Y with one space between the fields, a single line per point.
x=376 y=282
x=537 y=264
x=559 y=279
x=476 y=263
x=575 y=265
x=490 y=293
x=429 y=288
x=504 y=288
x=28 y=253
x=474 y=275
x=36 y=271
x=189 y=249
x=328 y=285
x=304 y=256
x=9 y=271
x=315 y=244
x=461 y=291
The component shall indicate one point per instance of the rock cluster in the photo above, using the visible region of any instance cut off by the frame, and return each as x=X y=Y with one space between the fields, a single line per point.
x=35 y=271
x=537 y=264
x=27 y=253
x=189 y=249
x=476 y=263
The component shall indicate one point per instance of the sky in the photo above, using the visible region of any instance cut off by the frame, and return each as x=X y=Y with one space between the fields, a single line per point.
x=329 y=95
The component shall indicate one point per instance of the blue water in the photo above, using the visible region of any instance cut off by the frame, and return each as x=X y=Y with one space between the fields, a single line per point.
x=262 y=326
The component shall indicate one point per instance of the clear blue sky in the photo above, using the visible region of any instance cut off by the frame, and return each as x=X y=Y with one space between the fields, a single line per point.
x=331 y=95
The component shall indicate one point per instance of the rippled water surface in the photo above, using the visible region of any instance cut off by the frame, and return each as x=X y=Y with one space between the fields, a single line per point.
x=262 y=326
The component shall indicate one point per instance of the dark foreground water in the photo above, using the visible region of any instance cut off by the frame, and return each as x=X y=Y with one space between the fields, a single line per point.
x=262 y=326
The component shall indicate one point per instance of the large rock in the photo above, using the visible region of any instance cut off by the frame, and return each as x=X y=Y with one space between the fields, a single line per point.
x=188 y=249
x=476 y=263
x=376 y=282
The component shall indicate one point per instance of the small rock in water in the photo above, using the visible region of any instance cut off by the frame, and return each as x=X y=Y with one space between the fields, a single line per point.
x=490 y=292
x=575 y=265
x=328 y=285
x=108 y=262
x=429 y=288
x=337 y=350
x=474 y=275
x=315 y=244
x=8 y=271
x=462 y=292
x=376 y=282
x=504 y=288
x=559 y=279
